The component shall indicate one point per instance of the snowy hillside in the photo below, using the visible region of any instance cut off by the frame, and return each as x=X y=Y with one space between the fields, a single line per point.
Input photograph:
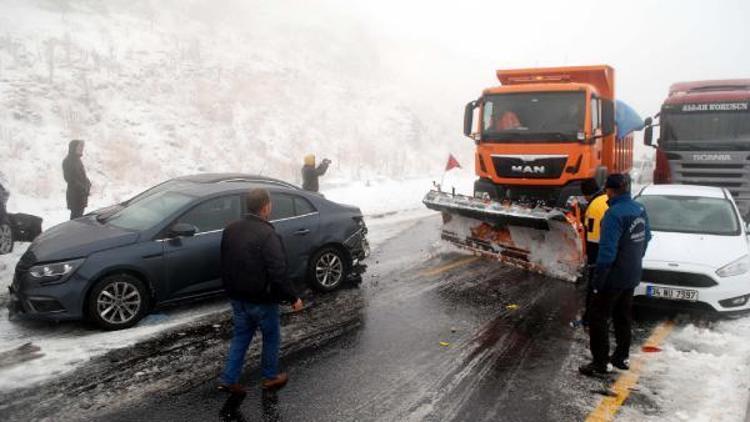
x=160 y=89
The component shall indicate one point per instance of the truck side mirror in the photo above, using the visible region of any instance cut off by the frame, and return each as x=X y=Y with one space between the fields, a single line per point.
x=608 y=117
x=648 y=134
x=469 y=117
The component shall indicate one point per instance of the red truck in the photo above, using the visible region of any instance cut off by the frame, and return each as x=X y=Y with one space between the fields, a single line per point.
x=704 y=137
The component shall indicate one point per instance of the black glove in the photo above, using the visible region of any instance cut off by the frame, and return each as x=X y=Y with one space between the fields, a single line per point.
x=600 y=278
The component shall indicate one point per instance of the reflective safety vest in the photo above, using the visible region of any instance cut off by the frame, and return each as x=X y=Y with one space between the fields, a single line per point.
x=593 y=217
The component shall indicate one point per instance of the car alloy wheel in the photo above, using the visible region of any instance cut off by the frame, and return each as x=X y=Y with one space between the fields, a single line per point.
x=6 y=239
x=119 y=302
x=329 y=269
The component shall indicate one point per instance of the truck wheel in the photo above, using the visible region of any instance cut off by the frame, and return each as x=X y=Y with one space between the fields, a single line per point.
x=117 y=301
x=6 y=237
x=327 y=269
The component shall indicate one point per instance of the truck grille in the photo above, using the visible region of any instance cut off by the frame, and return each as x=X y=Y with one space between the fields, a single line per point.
x=528 y=167
x=723 y=169
x=676 y=278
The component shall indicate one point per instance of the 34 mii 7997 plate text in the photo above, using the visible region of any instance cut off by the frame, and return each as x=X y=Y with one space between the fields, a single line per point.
x=673 y=294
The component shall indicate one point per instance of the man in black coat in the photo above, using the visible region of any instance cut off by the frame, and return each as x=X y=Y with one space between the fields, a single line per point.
x=310 y=173
x=79 y=186
x=253 y=265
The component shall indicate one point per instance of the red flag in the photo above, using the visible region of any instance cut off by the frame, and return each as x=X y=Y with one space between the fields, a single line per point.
x=452 y=163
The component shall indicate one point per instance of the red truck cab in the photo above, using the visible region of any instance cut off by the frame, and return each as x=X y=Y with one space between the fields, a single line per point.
x=704 y=137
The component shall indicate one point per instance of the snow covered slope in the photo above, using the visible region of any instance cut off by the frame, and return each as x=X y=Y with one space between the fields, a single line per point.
x=165 y=88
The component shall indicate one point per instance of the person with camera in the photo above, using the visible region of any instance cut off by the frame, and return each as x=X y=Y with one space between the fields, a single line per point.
x=311 y=173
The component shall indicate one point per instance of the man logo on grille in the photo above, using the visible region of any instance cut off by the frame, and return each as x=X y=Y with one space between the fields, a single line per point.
x=529 y=169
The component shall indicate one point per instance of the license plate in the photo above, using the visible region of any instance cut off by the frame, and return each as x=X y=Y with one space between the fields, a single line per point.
x=673 y=294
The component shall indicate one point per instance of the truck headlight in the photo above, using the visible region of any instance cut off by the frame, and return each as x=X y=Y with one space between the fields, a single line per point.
x=480 y=194
x=740 y=266
x=56 y=271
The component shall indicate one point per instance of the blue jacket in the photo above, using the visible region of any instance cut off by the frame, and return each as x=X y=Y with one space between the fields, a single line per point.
x=624 y=238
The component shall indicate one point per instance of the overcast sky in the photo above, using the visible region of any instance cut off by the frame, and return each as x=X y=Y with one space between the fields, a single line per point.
x=650 y=44
x=453 y=48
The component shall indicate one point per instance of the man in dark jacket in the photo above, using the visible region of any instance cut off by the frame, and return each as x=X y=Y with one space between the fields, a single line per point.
x=625 y=234
x=253 y=265
x=79 y=186
x=310 y=173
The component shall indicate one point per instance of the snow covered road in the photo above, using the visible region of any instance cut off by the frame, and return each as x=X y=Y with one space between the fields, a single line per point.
x=65 y=346
x=701 y=374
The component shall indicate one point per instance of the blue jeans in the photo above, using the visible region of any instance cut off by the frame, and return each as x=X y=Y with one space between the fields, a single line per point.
x=248 y=317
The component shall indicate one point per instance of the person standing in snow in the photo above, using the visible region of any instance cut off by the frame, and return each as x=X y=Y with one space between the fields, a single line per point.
x=4 y=195
x=625 y=233
x=79 y=186
x=597 y=206
x=310 y=173
x=253 y=267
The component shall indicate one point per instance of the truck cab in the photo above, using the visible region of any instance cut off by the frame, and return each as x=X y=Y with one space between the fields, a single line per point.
x=544 y=131
x=704 y=137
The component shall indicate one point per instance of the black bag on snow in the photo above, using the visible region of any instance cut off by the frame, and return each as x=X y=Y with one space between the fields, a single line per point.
x=26 y=227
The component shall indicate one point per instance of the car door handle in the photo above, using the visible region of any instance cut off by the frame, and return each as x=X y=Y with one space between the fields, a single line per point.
x=302 y=232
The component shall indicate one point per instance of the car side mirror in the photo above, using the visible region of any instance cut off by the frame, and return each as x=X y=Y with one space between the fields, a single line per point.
x=183 y=230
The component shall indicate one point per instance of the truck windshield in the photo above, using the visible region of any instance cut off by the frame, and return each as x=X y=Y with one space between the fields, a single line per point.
x=688 y=214
x=533 y=116
x=706 y=127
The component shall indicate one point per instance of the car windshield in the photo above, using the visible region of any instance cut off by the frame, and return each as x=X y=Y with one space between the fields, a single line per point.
x=149 y=211
x=710 y=127
x=545 y=116
x=688 y=214
x=105 y=213
x=161 y=187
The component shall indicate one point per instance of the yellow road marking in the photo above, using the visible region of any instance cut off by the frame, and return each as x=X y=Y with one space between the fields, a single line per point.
x=609 y=406
x=447 y=267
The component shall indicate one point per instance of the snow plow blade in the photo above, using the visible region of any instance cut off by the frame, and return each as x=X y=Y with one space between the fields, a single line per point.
x=544 y=240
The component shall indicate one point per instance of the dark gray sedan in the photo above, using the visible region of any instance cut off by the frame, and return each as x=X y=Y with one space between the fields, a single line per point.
x=162 y=246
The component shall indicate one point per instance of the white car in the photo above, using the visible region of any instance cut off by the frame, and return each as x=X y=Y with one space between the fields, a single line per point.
x=700 y=251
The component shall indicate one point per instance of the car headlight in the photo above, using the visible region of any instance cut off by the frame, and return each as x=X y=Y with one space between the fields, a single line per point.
x=56 y=271
x=740 y=266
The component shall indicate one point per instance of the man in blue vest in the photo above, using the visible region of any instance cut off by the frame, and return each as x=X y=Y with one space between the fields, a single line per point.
x=625 y=234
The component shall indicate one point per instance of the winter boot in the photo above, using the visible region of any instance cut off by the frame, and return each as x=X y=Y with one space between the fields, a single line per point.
x=594 y=370
x=622 y=364
x=275 y=384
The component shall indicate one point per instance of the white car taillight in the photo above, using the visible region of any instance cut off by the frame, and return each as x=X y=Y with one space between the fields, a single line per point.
x=740 y=266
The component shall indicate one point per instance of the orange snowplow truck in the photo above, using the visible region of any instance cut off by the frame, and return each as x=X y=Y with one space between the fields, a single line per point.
x=539 y=136
x=545 y=130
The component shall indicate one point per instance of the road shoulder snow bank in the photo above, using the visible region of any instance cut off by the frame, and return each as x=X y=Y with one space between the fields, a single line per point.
x=702 y=374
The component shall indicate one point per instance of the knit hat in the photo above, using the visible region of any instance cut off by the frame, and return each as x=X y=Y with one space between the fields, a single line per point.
x=616 y=181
